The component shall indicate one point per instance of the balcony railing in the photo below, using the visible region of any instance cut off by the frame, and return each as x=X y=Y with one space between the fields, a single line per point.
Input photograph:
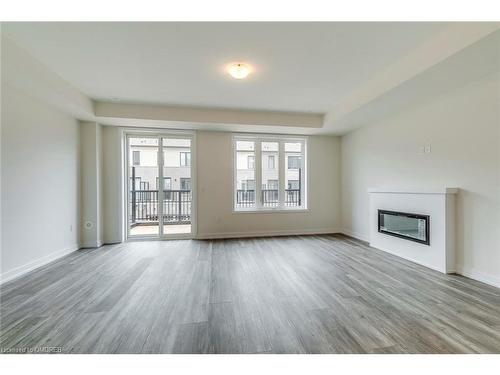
x=269 y=198
x=177 y=204
x=144 y=206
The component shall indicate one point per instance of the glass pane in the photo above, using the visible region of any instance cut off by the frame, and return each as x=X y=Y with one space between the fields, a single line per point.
x=270 y=174
x=293 y=174
x=177 y=187
x=143 y=186
x=404 y=225
x=245 y=174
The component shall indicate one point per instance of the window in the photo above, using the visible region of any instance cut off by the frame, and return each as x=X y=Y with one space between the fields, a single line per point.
x=269 y=172
x=167 y=187
x=248 y=185
x=185 y=184
x=140 y=185
x=137 y=184
x=271 y=162
x=293 y=162
x=250 y=162
x=185 y=159
x=136 y=158
x=244 y=151
x=167 y=183
x=270 y=193
x=272 y=185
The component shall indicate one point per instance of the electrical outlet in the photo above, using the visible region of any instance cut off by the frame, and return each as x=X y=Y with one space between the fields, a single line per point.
x=427 y=149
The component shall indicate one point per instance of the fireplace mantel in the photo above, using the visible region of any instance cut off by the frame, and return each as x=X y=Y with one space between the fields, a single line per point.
x=436 y=203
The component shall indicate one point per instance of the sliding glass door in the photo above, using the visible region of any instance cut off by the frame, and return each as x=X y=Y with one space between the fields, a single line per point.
x=143 y=190
x=177 y=192
x=159 y=186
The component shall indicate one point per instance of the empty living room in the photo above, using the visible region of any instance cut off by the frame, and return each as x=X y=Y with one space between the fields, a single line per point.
x=250 y=186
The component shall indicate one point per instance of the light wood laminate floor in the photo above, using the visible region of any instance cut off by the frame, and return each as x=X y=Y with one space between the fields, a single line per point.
x=303 y=294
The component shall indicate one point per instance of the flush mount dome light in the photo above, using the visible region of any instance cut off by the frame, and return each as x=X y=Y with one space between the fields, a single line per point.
x=239 y=70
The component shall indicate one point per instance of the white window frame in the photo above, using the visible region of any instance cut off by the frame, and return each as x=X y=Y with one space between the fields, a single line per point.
x=126 y=134
x=281 y=166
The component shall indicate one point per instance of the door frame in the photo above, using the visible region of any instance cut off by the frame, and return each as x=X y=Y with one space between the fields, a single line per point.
x=159 y=134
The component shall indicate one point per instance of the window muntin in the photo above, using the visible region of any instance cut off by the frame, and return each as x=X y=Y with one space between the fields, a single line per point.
x=275 y=178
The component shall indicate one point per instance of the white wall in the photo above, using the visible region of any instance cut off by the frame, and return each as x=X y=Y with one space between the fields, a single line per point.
x=215 y=196
x=112 y=199
x=40 y=183
x=91 y=185
x=215 y=181
x=462 y=127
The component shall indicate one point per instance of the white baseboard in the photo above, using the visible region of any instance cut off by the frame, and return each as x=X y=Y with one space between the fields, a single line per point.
x=207 y=236
x=416 y=261
x=357 y=236
x=115 y=242
x=90 y=244
x=21 y=270
x=479 y=276
x=460 y=270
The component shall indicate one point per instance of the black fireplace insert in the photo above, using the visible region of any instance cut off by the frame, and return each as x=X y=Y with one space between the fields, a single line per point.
x=412 y=227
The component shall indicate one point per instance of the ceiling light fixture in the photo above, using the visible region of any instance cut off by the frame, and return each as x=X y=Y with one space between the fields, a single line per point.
x=239 y=70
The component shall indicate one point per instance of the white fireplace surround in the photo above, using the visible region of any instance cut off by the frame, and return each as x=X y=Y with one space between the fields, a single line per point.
x=439 y=204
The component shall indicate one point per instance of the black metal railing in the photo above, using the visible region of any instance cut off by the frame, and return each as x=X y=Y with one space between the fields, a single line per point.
x=245 y=198
x=176 y=206
x=293 y=197
x=269 y=198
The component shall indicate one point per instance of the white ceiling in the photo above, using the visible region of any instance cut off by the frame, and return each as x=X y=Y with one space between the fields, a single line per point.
x=299 y=67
